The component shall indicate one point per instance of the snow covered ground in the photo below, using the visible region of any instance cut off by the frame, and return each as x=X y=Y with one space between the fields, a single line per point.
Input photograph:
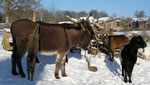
x=109 y=73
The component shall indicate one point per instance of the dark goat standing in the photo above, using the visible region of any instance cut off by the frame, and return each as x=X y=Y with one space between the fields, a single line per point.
x=128 y=56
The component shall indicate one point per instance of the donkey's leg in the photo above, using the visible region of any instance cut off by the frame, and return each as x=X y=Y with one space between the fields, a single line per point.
x=20 y=67
x=13 y=57
x=113 y=51
x=63 y=66
x=31 y=61
x=20 y=54
x=110 y=54
x=14 y=72
x=37 y=60
x=58 y=62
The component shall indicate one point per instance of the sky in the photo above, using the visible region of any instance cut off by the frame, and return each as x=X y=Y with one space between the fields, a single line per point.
x=124 y=8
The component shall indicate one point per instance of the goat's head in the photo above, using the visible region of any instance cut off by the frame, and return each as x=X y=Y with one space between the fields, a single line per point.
x=138 y=42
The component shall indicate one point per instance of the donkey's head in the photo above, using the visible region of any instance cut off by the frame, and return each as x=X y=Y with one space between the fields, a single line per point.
x=88 y=33
x=86 y=29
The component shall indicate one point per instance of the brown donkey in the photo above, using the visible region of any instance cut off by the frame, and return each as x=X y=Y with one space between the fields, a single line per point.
x=53 y=39
x=114 y=42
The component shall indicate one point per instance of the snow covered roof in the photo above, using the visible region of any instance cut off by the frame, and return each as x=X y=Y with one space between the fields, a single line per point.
x=104 y=18
x=140 y=19
x=91 y=18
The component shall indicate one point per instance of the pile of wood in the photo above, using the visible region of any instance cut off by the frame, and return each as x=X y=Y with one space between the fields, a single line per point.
x=6 y=42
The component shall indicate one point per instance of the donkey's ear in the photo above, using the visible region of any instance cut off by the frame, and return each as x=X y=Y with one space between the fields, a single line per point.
x=84 y=29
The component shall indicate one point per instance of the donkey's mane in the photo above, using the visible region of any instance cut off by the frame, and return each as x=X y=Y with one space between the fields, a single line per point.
x=115 y=35
x=65 y=25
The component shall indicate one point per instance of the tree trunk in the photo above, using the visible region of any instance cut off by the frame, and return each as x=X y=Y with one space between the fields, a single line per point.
x=7 y=13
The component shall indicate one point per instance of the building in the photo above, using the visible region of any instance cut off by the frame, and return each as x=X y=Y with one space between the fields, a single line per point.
x=139 y=23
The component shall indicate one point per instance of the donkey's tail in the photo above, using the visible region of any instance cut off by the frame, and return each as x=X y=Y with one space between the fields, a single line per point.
x=33 y=48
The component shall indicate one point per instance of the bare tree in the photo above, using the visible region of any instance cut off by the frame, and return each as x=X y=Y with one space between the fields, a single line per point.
x=60 y=16
x=16 y=8
x=82 y=14
x=139 y=14
x=94 y=13
x=0 y=16
x=114 y=15
x=103 y=14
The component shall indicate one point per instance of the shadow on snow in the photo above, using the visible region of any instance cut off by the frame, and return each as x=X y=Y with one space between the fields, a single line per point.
x=114 y=67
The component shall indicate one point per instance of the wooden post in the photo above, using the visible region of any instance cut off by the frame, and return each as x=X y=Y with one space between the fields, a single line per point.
x=34 y=15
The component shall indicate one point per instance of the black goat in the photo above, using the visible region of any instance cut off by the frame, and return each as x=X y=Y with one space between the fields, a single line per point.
x=128 y=56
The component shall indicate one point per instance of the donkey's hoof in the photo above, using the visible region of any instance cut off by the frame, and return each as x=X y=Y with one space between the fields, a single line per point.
x=37 y=61
x=64 y=75
x=14 y=73
x=92 y=68
x=23 y=75
x=57 y=76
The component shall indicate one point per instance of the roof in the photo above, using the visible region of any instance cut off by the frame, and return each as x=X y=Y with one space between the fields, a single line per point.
x=91 y=18
x=104 y=18
x=140 y=19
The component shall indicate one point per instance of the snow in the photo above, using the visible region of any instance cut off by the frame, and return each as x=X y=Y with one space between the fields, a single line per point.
x=91 y=18
x=109 y=73
x=7 y=29
x=140 y=19
x=104 y=18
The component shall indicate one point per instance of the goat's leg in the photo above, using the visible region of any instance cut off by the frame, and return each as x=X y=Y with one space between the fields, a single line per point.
x=125 y=77
x=129 y=71
x=63 y=66
x=123 y=70
x=58 y=62
x=129 y=75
